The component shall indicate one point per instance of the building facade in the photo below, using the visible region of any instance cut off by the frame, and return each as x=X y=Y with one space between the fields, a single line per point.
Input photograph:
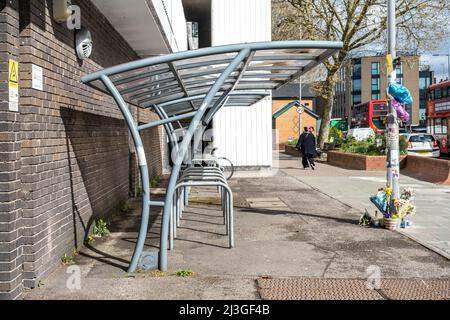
x=65 y=156
x=287 y=123
x=426 y=79
x=364 y=79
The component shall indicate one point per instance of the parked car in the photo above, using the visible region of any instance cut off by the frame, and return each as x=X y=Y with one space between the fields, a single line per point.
x=361 y=134
x=424 y=145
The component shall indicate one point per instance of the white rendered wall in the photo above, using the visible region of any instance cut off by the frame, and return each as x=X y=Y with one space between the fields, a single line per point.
x=171 y=16
x=243 y=134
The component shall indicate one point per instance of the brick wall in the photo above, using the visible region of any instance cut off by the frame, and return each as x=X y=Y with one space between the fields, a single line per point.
x=10 y=162
x=353 y=161
x=68 y=147
x=288 y=124
x=428 y=169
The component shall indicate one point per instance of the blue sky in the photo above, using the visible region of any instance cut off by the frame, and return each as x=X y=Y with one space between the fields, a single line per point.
x=439 y=64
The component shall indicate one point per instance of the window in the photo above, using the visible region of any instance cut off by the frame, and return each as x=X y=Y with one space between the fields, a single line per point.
x=438 y=93
x=430 y=126
x=357 y=85
x=409 y=109
x=356 y=99
x=438 y=126
x=422 y=104
x=431 y=95
x=444 y=92
x=399 y=70
x=375 y=88
x=424 y=83
x=375 y=85
x=357 y=69
x=420 y=138
x=380 y=107
x=399 y=73
x=379 y=123
x=423 y=117
x=375 y=68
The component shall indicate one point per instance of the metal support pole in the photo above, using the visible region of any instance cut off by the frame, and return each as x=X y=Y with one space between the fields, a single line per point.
x=166 y=120
x=184 y=146
x=170 y=131
x=300 y=97
x=393 y=153
x=143 y=168
x=168 y=127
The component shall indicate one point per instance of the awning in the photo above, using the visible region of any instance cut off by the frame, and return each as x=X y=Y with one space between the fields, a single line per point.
x=178 y=82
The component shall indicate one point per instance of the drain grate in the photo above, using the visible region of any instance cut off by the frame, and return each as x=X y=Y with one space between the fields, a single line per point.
x=416 y=289
x=352 y=289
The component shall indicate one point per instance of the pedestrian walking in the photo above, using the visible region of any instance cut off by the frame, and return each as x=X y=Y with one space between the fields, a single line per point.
x=310 y=146
x=302 y=145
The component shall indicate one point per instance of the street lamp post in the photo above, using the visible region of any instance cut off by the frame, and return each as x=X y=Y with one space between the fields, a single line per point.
x=393 y=148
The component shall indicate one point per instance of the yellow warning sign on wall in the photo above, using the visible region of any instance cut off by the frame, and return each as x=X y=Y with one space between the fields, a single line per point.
x=13 y=74
x=13 y=84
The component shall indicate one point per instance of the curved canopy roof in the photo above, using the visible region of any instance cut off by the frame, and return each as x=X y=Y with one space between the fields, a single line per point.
x=178 y=82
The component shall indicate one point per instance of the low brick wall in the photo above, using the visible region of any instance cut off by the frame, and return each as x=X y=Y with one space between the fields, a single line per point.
x=290 y=150
x=354 y=161
x=428 y=169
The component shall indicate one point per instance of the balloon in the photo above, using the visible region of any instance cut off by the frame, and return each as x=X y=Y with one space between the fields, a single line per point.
x=402 y=114
x=400 y=93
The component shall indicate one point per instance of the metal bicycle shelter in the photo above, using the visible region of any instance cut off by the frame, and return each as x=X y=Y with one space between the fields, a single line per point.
x=195 y=85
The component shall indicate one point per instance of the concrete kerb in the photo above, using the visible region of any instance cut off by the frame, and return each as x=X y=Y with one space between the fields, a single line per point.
x=424 y=244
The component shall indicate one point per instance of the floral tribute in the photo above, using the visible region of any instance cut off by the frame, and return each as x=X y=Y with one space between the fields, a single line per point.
x=403 y=208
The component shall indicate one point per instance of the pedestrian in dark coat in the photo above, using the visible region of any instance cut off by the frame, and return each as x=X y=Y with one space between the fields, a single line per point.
x=310 y=147
x=301 y=145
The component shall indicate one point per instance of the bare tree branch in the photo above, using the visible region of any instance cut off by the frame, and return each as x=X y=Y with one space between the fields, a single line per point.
x=358 y=24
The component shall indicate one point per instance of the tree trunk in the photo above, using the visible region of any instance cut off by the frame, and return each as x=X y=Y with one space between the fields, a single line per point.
x=328 y=90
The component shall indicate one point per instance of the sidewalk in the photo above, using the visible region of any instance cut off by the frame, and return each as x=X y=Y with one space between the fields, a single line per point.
x=431 y=224
x=287 y=233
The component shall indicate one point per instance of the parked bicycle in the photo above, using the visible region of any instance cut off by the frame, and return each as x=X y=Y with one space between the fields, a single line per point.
x=211 y=160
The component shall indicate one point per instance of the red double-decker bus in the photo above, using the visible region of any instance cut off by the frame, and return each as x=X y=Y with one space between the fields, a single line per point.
x=371 y=114
x=438 y=111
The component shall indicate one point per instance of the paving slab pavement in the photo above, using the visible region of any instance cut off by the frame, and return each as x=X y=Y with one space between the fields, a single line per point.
x=313 y=236
x=431 y=225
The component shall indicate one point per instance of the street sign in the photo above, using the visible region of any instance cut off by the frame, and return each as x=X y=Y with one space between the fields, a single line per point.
x=300 y=110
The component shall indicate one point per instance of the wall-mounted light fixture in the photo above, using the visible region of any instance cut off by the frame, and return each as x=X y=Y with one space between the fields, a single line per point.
x=83 y=42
